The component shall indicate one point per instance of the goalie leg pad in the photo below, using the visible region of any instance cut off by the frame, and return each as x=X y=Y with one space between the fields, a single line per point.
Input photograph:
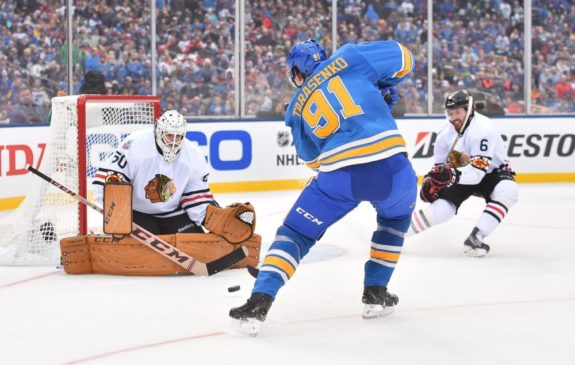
x=102 y=254
x=207 y=247
x=128 y=256
x=75 y=255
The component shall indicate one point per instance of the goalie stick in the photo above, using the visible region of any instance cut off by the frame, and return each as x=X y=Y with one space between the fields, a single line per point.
x=157 y=244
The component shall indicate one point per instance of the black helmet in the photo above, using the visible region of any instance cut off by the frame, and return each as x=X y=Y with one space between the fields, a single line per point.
x=458 y=99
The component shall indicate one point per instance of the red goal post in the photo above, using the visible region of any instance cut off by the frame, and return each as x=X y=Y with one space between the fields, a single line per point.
x=84 y=130
x=83 y=104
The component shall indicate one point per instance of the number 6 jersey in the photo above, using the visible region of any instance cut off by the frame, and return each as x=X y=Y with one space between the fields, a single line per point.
x=481 y=141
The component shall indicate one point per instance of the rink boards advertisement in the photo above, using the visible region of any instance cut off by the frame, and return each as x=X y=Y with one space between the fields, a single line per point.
x=259 y=155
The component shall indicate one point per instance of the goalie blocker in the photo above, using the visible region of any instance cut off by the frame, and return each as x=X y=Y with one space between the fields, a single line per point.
x=117 y=208
x=102 y=254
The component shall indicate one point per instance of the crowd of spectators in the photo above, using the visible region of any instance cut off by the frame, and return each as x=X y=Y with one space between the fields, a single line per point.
x=478 y=45
x=553 y=57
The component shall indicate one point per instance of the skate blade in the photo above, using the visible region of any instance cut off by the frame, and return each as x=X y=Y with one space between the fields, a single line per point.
x=371 y=311
x=475 y=252
x=250 y=326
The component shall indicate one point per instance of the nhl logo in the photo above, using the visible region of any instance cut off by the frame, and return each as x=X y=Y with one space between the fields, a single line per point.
x=283 y=139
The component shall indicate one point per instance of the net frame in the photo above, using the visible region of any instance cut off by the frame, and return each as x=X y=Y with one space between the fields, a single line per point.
x=36 y=226
x=83 y=100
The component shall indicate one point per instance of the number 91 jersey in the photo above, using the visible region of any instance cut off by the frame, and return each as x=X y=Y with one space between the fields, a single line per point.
x=338 y=117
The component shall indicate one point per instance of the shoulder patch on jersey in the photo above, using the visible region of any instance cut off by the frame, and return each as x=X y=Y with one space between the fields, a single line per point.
x=160 y=189
x=114 y=176
x=127 y=144
x=480 y=162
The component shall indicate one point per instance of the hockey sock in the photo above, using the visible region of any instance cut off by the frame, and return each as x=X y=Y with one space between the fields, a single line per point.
x=493 y=214
x=281 y=261
x=503 y=197
x=386 y=244
x=438 y=212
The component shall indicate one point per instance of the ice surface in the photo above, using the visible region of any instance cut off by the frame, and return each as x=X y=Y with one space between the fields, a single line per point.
x=514 y=306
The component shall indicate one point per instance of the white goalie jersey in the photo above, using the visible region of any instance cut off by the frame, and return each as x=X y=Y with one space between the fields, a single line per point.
x=163 y=190
x=481 y=141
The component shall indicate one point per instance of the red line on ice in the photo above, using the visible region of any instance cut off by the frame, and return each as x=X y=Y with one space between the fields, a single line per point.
x=28 y=279
x=146 y=346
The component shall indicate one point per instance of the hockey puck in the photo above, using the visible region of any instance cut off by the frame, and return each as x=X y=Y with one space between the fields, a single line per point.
x=234 y=288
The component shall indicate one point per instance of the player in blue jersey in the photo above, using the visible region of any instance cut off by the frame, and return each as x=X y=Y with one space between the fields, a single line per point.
x=343 y=128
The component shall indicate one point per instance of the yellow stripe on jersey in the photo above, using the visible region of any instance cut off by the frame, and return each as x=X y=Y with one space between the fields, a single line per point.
x=407 y=62
x=365 y=150
x=313 y=165
x=280 y=263
x=382 y=255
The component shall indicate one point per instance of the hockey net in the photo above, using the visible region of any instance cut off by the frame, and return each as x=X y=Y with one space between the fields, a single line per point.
x=84 y=130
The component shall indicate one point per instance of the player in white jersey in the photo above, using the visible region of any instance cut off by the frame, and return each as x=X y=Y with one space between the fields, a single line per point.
x=470 y=159
x=168 y=173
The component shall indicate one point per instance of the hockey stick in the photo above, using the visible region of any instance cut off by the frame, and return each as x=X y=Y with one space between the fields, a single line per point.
x=157 y=244
x=451 y=150
x=254 y=271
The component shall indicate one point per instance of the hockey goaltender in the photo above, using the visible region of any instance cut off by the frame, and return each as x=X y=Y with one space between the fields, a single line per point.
x=118 y=253
x=156 y=199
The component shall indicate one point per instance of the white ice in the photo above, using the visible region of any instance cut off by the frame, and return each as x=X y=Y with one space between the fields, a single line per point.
x=514 y=306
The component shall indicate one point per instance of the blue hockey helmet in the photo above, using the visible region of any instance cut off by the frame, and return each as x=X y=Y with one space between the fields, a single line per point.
x=304 y=58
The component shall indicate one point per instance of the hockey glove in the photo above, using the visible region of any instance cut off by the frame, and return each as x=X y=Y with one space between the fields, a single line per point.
x=390 y=96
x=458 y=159
x=235 y=223
x=437 y=179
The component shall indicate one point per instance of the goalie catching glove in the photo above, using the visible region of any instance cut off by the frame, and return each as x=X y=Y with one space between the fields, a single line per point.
x=235 y=223
x=437 y=179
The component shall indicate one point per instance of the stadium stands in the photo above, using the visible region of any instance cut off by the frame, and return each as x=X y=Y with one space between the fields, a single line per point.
x=477 y=45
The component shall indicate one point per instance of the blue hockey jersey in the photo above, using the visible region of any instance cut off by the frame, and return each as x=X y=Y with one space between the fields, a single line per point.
x=338 y=117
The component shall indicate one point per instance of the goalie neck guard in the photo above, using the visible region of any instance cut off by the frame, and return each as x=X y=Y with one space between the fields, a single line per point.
x=170 y=131
x=460 y=99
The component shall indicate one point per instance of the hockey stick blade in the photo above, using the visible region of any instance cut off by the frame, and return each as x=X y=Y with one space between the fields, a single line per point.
x=253 y=271
x=227 y=260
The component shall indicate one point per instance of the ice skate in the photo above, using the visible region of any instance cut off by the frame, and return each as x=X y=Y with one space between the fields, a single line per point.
x=378 y=302
x=474 y=246
x=249 y=317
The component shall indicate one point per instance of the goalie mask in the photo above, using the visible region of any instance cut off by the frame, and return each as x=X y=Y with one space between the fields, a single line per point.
x=170 y=131
x=456 y=100
x=303 y=59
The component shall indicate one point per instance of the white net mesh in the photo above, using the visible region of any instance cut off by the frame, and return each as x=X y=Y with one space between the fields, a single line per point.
x=30 y=234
